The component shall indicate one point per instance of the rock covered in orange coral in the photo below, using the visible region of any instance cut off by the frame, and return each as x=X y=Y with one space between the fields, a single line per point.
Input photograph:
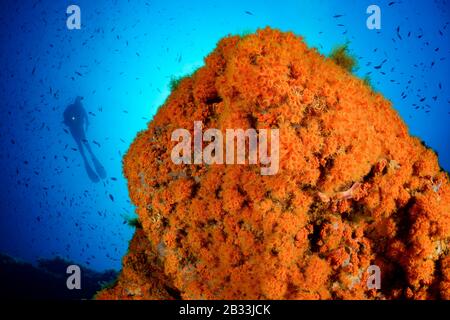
x=143 y=277
x=353 y=189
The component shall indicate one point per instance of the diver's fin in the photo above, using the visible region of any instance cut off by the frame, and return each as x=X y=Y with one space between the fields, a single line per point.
x=99 y=168
x=92 y=175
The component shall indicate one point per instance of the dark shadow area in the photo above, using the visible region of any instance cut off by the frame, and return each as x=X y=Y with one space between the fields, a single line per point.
x=47 y=280
x=76 y=118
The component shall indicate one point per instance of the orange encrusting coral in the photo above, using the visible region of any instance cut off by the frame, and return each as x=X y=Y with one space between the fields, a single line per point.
x=353 y=189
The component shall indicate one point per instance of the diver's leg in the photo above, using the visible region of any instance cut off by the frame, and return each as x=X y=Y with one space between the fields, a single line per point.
x=98 y=166
x=92 y=175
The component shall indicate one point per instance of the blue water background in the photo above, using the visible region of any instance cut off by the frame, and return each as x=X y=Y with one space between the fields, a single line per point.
x=121 y=62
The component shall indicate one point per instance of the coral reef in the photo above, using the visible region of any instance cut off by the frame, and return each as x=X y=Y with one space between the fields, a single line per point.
x=353 y=189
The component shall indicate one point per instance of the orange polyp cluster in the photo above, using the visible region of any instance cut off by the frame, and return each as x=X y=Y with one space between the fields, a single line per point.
x=353 y=189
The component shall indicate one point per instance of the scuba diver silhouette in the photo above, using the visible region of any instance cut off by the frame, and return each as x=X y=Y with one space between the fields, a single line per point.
x=76 y=118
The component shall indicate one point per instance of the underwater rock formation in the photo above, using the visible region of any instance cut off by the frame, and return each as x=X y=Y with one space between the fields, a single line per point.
x=353 y=189
x=47 y=280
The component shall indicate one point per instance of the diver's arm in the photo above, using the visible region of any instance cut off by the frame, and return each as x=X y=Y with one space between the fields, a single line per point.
x=86 y=119
x=66 y=116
